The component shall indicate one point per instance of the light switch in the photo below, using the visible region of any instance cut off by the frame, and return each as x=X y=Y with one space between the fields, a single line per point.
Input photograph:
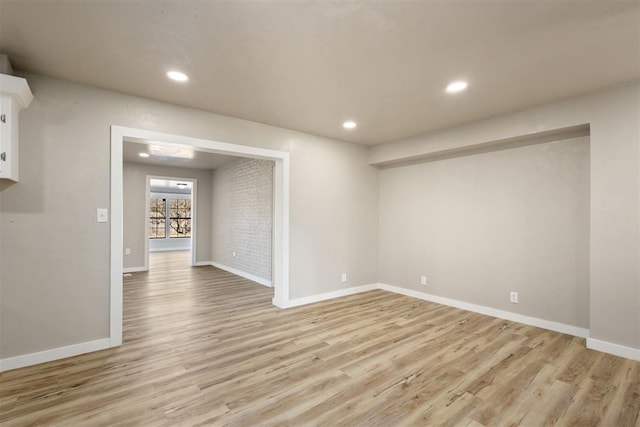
x=102 y=215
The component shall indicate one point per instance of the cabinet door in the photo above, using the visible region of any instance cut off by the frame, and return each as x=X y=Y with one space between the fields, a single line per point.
x=5 y=134
x=5 y=109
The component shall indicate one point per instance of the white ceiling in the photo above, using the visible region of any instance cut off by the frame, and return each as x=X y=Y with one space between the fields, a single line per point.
x=176 y=156
x=310 y=65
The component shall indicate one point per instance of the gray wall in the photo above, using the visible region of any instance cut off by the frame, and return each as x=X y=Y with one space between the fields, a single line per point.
x=614 y=211
x=479 y=226
x=242 y=216
x=48 y=218
x=134 y=198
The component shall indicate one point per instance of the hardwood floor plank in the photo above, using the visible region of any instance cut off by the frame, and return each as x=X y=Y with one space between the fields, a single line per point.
x=628 y=410
x=205 y=347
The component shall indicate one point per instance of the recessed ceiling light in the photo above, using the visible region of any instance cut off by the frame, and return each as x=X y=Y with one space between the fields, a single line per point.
x=143 y=154
x=177 y=76
x=349 y=124
x=177 y=151
x=458 y=86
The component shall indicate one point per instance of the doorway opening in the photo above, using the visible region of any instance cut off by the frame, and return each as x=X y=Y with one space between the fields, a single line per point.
x=170 y=216
x=280 y=252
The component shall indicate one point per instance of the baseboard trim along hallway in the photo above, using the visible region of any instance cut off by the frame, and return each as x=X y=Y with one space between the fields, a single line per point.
x=53 y=354
x=615 y=349
x=252 y=277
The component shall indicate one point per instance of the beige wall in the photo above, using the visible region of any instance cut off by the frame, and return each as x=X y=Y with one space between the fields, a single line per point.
x=48 y=219
x=134 y=217
x=479 y=226
x=614 y=228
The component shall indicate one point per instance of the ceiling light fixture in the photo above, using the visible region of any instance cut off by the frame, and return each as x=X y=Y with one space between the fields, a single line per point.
x=349 y=124
x=143 y=154
x=455 y=87
x=177 y=76
x=176 y=151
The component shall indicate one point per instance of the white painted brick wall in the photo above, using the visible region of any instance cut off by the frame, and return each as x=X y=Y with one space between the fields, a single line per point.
x=242 y=216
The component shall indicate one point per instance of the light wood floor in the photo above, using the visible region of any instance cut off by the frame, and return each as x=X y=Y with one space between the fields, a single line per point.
x=204 y=347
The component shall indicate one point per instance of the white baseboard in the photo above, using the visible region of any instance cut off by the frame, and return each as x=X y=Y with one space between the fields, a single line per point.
x=101 y=344
x=134 y=269
x=241 y=273
x=329 y=295
x=615 y=349
x=53 y=354
x=592 y=343
x=501 y=314
x=202 y=263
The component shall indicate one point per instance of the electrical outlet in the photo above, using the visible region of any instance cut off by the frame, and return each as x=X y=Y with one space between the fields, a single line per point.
x=102 y=215
x=514 y=297
x=127 y=251
x=233 y=253
x=423 y=280
x=344 y=277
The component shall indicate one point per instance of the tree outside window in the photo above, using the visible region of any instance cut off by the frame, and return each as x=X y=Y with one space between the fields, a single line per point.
x=157 y=218
x=180 y=218
x=177 y=215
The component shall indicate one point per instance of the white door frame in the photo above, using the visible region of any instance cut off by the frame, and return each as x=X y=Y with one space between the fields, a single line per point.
x=194 y=215
x=281 y=212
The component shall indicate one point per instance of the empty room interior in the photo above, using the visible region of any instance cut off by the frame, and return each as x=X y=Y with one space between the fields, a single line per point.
x=380 y=213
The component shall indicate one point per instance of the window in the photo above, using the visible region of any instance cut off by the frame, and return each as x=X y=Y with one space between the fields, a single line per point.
x=157 y=218
x=169 y=218
x=180 y=218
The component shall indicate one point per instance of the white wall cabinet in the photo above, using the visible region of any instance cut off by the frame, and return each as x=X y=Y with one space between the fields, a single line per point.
x=14 y=96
